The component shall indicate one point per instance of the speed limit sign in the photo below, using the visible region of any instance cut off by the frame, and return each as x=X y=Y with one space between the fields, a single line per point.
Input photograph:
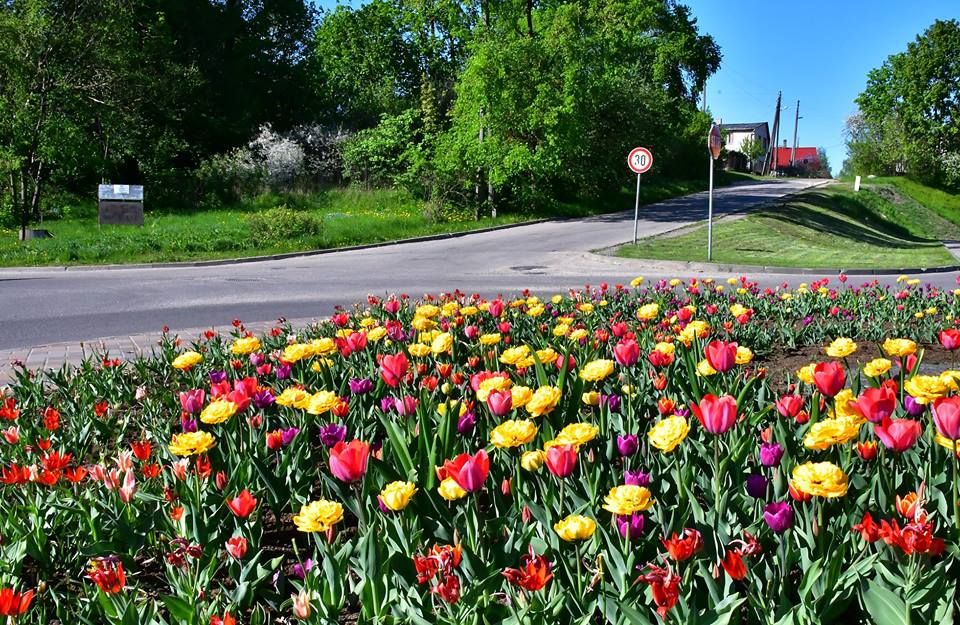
x=640 y=160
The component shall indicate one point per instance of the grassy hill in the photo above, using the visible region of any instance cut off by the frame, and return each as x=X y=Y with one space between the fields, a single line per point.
x=827 y=227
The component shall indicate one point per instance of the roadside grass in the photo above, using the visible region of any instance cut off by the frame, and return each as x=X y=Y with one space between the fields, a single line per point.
x=349 y=216
x=829 y=227
x=943 y=203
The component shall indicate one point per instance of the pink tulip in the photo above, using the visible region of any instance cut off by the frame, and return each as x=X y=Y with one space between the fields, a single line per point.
x=722 y=356
x=192 y=401
x=716 y=414
x=500 y=403
x=899 y=435
x=876 y=404
x=393 y=368
x=626 y=352
x=946 y=416
x=129 y=488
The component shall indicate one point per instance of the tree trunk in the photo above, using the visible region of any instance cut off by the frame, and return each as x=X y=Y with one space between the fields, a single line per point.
x=530 y=18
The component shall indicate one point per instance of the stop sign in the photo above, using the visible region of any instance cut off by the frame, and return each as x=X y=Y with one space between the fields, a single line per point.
x=715 y=141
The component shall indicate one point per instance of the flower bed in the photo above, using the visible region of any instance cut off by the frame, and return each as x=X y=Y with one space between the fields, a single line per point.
x=622 y=455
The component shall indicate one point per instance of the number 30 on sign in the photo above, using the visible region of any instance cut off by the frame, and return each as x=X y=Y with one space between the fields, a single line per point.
x=640 y=160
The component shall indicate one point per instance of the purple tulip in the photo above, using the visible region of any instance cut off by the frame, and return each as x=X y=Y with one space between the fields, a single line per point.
x=612 y=402
x=778 y=515
x=636 y=478
x=770 y=454
x=188 y=424
x=216 y=377
x=682 y=411
x=630 y=527
x=192 y=401
x=263 y=398
x=332 y=433
x=301 y=570
x=287 y=435
x=912 y=406
x=282 y=371
x=360 y=386
x=387 y=404
x=466 y=422
x=757 y=486
x=628 y=445
x=257 y=359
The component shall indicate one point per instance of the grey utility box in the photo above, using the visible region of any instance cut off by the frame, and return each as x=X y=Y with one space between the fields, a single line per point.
x=121 y=204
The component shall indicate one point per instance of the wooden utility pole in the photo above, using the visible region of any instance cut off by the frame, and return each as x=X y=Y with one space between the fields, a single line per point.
x=770 y=164
x=796 y=122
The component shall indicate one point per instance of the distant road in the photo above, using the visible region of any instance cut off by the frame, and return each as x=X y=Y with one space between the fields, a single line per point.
x=40 y=306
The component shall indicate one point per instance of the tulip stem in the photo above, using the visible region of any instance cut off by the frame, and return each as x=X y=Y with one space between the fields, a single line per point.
x=956 y=494
x=716 y=476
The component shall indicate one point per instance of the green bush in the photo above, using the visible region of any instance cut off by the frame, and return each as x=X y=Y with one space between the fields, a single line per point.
x=280 y=223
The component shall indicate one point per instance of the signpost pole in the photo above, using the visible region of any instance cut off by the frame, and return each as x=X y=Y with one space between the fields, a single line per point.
x=714 y=145
x=710 y=215
x=636 y=212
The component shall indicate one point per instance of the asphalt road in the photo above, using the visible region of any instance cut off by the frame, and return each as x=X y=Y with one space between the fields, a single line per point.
x=39 y=306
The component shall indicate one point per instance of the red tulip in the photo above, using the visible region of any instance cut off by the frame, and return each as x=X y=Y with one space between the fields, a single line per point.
x=626 y=353
x=716 y=414
x=469 y=472
x=733 y=564
x=393 y=368
x=348 y=461
x=243 y=504
x=660 y=359
x=867 y=450
x=946 y=416
x=685 y=546
x=500 y=403
x=899 y=435
x=13 y=603
x=495 y=308
x=226 y=620
x=722 y=356
x=789 y=406
x=237 y=547
x=533 y=574
x=950 y=339
x=876 y=404
x=829 y=377
x=561 y=460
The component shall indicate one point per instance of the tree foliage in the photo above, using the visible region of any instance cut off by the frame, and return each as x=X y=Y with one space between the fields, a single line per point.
x=909 y=119
x=485 y=102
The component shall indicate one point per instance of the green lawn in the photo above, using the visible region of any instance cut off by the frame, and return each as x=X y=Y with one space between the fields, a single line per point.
x=943 y=203
x=349 y=216
x=828 y=227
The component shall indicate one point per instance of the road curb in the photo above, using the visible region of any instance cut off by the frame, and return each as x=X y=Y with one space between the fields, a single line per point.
x=256 y=259
x=680 y=266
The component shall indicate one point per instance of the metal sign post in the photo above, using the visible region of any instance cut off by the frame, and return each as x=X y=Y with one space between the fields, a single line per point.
x=714 y=144
x=640 y=160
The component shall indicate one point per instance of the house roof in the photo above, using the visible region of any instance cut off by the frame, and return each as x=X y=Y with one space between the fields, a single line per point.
x=783 y=155
x=742 y=127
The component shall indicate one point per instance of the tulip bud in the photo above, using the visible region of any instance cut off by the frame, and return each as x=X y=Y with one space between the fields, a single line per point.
x=526 y=514
x=505 y=487
x=301 y=605
x=221 y=480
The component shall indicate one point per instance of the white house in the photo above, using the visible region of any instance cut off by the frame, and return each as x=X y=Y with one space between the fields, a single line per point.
x=736 y=134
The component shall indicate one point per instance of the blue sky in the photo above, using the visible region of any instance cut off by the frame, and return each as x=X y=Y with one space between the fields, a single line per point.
x=815 y=52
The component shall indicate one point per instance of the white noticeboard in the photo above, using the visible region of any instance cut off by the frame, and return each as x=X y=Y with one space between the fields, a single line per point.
x=121 y=189
x=856 y=184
